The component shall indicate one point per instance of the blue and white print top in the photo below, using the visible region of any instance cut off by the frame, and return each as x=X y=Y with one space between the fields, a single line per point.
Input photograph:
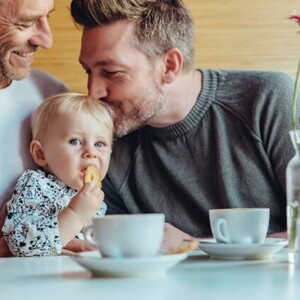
x=31 y=226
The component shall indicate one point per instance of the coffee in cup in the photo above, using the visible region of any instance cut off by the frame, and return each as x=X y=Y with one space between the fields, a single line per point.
x=132 y=235
x=239 y=225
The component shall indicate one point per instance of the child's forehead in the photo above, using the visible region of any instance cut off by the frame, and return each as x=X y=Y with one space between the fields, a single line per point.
x=83 y=112
x=86 y=118
x=80 y=115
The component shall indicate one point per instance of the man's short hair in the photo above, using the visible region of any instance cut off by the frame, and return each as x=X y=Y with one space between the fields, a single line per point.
x=159 y=24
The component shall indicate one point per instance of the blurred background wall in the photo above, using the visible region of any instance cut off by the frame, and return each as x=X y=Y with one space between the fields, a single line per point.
x=229 y=34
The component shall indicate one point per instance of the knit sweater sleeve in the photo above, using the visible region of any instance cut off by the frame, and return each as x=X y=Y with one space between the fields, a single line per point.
x=264 y=106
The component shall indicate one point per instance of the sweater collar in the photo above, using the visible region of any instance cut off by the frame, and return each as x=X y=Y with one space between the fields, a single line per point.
x=204 y=101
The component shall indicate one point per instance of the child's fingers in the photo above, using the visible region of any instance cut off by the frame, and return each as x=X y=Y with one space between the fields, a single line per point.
x=90 y=189
x=89 y=186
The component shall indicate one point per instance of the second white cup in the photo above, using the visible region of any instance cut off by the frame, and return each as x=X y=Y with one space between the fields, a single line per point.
x=239 y=225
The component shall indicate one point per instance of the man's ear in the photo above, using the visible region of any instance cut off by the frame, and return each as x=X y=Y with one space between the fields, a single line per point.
x=173 y=61
x=36 y=150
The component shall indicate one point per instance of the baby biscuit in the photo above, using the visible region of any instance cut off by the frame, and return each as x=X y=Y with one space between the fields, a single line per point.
x=91 y=174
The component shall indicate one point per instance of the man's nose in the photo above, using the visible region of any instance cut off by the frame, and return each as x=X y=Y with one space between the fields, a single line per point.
x=42 y=37
x=96 y=88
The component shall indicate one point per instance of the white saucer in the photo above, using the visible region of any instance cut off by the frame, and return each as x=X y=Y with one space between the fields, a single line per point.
x=242 y=251
x=128 y=266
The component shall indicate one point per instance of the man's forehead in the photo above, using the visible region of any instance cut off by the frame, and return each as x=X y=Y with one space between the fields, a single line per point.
x=117 y=32
x=109 y=43
x=25 y=8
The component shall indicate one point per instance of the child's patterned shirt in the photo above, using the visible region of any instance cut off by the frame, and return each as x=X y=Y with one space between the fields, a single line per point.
x=31 y=226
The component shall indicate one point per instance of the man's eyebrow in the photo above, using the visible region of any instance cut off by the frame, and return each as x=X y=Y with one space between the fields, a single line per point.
x=103 y=63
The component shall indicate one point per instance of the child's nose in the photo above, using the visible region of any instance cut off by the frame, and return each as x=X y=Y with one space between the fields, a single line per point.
x=89 y=154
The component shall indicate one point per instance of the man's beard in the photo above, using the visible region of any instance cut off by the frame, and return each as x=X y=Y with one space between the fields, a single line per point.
x=132 y=113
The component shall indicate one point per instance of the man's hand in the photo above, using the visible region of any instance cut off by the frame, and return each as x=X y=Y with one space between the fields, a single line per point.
x=280 y=235
x=173 y=237
x=76 y=245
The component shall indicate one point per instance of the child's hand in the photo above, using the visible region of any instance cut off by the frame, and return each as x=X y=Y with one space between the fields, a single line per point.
x=87 y=202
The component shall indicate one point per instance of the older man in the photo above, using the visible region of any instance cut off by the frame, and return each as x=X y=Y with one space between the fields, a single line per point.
x=189 y=140
x=23 y=28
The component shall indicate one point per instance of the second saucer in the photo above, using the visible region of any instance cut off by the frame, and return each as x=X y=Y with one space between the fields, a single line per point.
x=264 y=250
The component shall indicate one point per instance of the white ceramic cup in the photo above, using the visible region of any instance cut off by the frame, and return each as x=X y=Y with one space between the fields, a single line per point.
x=132 y=235
x=239 y=225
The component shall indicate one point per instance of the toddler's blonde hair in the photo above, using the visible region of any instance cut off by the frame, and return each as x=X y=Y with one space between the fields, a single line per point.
x=67 y=103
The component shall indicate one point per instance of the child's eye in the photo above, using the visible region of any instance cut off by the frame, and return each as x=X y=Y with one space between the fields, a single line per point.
x=99 y=144
x=74 y=142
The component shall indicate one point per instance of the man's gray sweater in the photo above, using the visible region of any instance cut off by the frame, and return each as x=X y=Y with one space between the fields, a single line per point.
x=231 y=150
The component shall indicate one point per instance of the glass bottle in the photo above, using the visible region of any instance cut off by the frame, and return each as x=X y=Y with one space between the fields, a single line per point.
x=293 y=196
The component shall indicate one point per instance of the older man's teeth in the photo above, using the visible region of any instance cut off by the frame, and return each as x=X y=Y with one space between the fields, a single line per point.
x=24 y=54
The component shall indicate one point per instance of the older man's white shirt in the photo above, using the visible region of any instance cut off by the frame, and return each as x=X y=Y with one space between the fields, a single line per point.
x=17 y=103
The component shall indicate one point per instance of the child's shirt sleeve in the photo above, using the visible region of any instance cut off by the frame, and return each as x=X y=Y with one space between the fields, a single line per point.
x=31 y=226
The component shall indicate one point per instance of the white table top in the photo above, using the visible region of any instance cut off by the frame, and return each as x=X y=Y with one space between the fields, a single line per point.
x=198 y=277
